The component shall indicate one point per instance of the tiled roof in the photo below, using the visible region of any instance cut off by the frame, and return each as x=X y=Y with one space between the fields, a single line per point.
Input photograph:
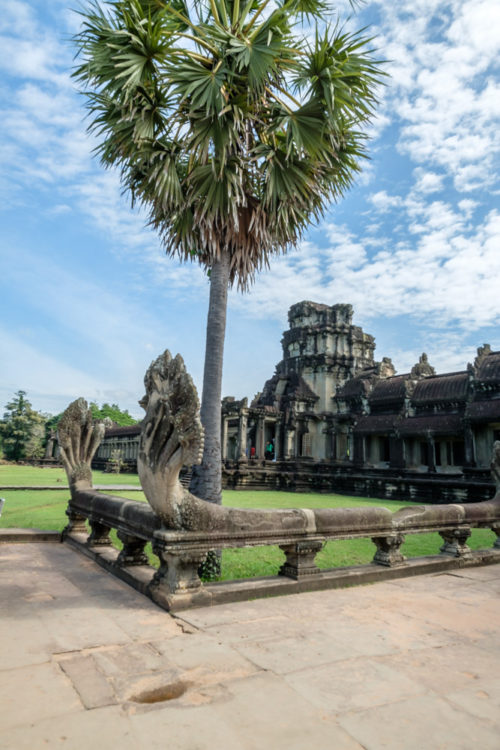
x=450 y=387
x=389 y=390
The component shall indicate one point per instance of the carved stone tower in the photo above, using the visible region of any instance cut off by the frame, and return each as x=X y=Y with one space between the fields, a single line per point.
x=324 y=348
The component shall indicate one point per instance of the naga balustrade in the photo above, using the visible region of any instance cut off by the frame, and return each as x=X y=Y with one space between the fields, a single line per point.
x=183 y=529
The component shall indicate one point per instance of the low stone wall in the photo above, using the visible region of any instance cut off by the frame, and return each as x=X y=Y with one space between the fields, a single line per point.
x=313 y=476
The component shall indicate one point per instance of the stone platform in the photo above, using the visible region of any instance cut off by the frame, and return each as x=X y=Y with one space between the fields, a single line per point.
x=87 y=662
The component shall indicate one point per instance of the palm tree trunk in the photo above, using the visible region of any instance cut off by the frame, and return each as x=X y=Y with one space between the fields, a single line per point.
x=206 y=482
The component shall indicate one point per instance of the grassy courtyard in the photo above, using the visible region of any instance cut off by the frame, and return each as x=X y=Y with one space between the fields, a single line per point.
x=45 y=509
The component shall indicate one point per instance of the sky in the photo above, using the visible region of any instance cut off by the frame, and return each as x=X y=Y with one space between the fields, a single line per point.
x=88 y=298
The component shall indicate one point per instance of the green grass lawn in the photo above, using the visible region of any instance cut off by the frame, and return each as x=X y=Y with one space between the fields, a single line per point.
x=36 y=476
x=45 y=509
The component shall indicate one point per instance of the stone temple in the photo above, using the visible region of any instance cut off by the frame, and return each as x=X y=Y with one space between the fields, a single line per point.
x=332 y=418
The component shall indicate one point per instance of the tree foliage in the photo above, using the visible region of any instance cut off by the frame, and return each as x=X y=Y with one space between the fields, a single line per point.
x=22 y=430
x=113 y=412
x=231 y=128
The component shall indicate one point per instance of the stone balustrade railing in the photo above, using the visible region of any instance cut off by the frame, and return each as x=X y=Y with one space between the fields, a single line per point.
x=176 y=584
x=182 y=528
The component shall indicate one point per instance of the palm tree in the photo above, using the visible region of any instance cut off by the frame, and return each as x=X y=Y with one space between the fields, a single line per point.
x=233 y=130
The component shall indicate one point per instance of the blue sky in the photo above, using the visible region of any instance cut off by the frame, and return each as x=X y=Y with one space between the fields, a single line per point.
x=88 y=299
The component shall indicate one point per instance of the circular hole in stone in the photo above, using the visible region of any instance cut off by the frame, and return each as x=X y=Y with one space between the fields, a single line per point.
x=163 y=693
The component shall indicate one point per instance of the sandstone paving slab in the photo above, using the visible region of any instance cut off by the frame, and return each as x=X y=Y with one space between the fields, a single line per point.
x=481 y=700
x=258 y=712
x=261 y=629
x=77 y=628
x=220 y=661
x=94 y=689
x=99 y=729
x=425 y=721
x=227 y=614
x=458 y=616
x=353 y=684
x=450 y=668
x=143 y=620
x=393 y=628
x=313 y=648
x=24 y=640
x=30 y=694
x=130 y=659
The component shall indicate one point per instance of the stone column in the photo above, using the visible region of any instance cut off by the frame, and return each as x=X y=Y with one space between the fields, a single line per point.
x=278 y=438
x=288 y=443
x=431 y=450
x=242 y=436
x=224 y=439
x=49 y=448
x=259 y=437
x=469 y=445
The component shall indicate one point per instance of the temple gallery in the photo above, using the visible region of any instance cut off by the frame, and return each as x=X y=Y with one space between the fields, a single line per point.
x=332 y=418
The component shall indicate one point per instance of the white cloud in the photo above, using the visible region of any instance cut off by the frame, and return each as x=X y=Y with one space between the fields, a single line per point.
x=443 y=57
x=383 y=202
x=427 y=182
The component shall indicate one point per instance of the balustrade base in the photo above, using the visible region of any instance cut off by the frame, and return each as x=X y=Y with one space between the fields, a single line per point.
x=140 y=577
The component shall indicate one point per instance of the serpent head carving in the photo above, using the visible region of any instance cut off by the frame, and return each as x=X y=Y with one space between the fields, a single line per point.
x=171 y=437
x=79 y=437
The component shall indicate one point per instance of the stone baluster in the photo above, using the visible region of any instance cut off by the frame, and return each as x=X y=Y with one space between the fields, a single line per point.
x=133 y=550
x=300 y=559
x=496 y=529
x=76 y=522
x=388 y=550
x=99 y=534
x=177 y=574
x=455 y=542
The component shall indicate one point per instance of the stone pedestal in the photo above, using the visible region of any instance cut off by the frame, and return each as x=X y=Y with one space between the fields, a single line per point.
x=455 y=542
x=388 y=550
x=300 y=559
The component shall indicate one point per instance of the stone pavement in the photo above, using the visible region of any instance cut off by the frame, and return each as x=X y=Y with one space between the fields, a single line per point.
x=87 y=662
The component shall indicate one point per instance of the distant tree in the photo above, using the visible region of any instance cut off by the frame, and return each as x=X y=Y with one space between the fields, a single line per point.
x=22 y=429
x=112 y=411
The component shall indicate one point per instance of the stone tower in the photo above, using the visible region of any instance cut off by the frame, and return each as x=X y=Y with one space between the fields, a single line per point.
x=324 y=349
